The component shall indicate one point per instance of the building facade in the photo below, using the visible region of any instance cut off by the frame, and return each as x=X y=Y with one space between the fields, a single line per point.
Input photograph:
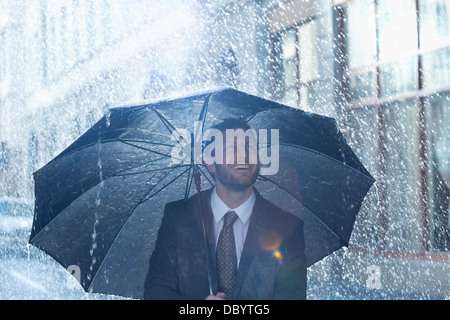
x=385 y=70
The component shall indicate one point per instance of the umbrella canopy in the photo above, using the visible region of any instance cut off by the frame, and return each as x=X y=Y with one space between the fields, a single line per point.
x=99 y=203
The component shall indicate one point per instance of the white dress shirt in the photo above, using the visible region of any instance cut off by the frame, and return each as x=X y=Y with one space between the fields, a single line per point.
x=240 y=226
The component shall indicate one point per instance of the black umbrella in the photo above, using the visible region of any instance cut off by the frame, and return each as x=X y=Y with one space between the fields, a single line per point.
x=100 y=202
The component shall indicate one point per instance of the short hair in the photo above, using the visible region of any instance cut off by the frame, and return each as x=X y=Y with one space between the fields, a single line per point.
x=229 y=123
x=232 y=123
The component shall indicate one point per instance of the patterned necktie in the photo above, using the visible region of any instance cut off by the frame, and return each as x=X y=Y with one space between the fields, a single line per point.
x=226 y=256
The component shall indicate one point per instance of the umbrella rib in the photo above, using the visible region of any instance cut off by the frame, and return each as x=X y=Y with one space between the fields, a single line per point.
x=146 y=149
x=145 y=196
x=170 y=182
x=164 y=120
x=188 y=186
x=290 y=193
x=143 y=141
x=326 y=156
x=170 y=127
x=251 y=116
x=202 y=116
x=146 y=171
x=205 y=175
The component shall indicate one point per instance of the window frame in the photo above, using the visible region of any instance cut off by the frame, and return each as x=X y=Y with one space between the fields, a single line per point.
x=280 y=21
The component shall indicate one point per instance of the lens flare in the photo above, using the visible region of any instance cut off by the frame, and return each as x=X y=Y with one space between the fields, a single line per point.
x=270 y=241
x=278 y=255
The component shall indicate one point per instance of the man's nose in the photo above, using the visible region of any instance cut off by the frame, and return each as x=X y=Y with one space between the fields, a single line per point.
x=246 y=155
x=241 y=157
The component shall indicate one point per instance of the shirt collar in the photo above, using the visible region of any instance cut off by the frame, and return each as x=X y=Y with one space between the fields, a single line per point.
x=219 y=208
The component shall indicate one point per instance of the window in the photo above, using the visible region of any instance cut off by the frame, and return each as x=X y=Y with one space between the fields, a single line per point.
x=308 y=63
x=384 y=63
x=438 y=175
x=398 y=45
x=397 y=25
x=401 y=176
x=436 y=68
x=360 y=31
x=297 y=68
x=434 y=24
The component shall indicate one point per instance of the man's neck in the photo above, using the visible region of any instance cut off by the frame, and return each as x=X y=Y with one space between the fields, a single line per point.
x=231 y=198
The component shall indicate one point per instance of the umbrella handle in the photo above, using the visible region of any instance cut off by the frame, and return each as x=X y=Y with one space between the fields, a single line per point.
x=205 y=245
x=197 y=178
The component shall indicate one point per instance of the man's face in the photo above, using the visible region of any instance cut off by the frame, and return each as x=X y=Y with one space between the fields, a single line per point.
x=239 y=169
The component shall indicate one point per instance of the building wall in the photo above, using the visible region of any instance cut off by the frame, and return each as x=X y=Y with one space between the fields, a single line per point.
x=382 y=117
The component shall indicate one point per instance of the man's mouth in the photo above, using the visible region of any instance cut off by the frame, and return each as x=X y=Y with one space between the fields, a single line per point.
x=241 y=167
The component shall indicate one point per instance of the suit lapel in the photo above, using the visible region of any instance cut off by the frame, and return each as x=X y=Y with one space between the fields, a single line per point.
x=258 y=222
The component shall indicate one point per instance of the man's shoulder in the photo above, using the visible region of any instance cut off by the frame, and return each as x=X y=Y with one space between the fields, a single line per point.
x=191 y=199
x=191 y=203
x=177 y=204
x=277 y=217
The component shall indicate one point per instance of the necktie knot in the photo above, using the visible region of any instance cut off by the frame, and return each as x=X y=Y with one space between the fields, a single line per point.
x=229 y=218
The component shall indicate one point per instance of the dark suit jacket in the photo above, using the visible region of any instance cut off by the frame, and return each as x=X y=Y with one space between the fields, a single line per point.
x=179 y=264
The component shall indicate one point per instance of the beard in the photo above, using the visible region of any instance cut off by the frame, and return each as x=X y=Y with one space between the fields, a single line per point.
x=234 y=183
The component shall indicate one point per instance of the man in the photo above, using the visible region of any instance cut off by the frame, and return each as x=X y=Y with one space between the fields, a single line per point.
x=228 y=242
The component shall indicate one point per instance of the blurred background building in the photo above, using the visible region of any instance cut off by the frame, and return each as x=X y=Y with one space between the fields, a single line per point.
x=380 y=67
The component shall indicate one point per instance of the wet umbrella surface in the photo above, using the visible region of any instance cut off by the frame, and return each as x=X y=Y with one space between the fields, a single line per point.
x=99 y=203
